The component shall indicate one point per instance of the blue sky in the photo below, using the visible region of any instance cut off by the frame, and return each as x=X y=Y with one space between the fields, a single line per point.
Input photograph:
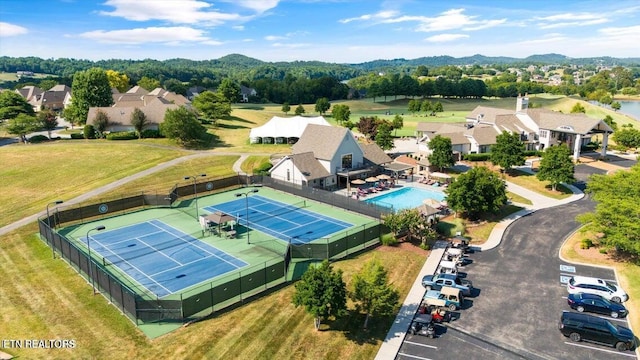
x=342 y=31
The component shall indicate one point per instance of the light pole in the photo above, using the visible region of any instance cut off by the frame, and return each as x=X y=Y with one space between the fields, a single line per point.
x=246 y=198
x=97 y=228
x=57 y=202
x=195 y=191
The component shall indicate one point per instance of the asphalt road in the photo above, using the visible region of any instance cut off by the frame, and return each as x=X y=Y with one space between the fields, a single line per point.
x=521 y=294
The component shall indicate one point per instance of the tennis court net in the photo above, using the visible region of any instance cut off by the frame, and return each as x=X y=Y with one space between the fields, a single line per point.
x=277 y=212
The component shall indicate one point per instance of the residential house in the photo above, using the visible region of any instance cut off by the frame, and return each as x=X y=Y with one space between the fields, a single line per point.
x=328 y=157
x=56 y=98
x=153 y=104
x=538 y=129
x=246 y=93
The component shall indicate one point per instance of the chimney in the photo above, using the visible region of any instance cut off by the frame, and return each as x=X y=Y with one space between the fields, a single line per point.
x=522 y=103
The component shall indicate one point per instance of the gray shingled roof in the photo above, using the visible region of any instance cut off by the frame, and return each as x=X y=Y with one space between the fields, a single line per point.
x=580 y=123
x=489 y=114
x=484 y=135
x=309 y=166
x=374 y=154
x=321 y=140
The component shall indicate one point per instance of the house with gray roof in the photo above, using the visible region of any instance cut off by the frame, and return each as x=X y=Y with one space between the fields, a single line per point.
x=328 y=157
x=56 y=98
x=538 y=129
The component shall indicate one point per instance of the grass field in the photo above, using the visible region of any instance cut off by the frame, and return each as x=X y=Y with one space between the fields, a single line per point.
x=34 y=175
x=46 y=299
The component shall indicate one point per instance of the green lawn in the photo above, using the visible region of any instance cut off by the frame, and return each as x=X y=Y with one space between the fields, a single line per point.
x=34 y=175
x=531 y=182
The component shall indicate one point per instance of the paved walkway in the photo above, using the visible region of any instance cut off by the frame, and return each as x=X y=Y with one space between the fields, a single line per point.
x=398 y=331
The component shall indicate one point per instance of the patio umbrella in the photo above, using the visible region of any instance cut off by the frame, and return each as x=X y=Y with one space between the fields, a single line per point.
x=383 y=177
x=358 y=182
x=371 y=179
x=431 y=203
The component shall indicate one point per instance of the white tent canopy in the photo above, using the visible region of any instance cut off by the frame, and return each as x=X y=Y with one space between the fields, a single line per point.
x=283 y=129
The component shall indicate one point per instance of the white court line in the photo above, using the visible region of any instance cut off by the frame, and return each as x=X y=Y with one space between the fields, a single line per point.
x=196 y=245
x=414 y=356
x=419 y=344
x=142 y=272
x=595 y=348
x=127 y=239
x=307 y=213
x=185 y=264
x=163 y=254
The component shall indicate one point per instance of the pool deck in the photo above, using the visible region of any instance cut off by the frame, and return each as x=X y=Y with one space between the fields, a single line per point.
x=400 y=184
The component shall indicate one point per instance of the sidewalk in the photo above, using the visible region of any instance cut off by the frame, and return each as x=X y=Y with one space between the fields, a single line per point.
x=398 y=331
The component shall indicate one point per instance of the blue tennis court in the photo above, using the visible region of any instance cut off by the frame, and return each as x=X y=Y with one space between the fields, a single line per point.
x=283 y=221
x=162 y=258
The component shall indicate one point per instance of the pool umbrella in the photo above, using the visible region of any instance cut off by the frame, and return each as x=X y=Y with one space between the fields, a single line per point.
x=431 y=203
x=358 y=182
x=371 y=179
x=383 y=177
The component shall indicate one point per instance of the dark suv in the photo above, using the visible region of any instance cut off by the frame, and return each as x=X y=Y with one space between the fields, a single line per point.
x=578 y=327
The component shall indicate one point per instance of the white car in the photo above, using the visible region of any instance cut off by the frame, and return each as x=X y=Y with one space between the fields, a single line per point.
x=589 y=285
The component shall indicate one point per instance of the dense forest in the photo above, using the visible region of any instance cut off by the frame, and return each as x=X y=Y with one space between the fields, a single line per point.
x=306 y=81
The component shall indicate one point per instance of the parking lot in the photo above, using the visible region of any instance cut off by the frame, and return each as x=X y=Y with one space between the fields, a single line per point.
x=521 y=293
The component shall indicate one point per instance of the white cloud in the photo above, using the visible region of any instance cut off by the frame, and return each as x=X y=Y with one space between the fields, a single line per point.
x=446 y=37
x=7 y=30
x=630 y=31
x=546 y=39
x=258 y=6
x=290 y=46
x=148 y=35
x=274 y=38
x=238 y=27
x=571 y=20
x=381 y=15
x=174 y=11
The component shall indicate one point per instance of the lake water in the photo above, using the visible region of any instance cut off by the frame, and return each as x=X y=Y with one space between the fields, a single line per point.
x=631 y=108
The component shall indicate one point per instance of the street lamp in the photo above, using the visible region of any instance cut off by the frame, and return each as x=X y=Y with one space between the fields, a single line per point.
x=195 y=191
x=97 y=228
x=57 y=202
x=246 y=198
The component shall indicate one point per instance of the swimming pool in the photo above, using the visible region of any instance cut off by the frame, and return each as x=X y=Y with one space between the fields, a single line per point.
x=406 y=198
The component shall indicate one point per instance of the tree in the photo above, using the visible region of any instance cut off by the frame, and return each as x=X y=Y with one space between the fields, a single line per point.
x=118 y=81
x=609 y=121
x=477 y=191
x=148 y=83
x=578 y=108
x=341 y=113
x=286 y=107
x=299 y=110
x=556 y=166
x=508 y=150
x=414 y=106
x=12 y=104
x=176 y=86
x=383 y=136
x=368 y=126
x=372 y=292
x=101 y=122
x=139 y=121
x=398 y=123
x=48 y=121
x=322 y=292
x=441 y=152
x=90 y=88
x=212 y=105
x=322 y=105
x=183 y=126
x=230 y=90
x=617 y=212
x=627 y=137
x=616 y=105
x=22 y=125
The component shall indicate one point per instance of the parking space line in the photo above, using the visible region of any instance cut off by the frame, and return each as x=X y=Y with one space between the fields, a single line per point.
x=595 y=348
x=419 y=344
x=568 y=268
x=413 y=356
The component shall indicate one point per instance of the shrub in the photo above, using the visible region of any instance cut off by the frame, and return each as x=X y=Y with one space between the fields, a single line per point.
x=388 y=240
x=425 y=246
x=89 y=132
x=532 y=153
x=151 y=134
x=602 y=251
x=122 y=136
x=38 y=139
x=589 y=147
x=263 y=169
x=586 y=243
x=80 y=136
x=476 y=157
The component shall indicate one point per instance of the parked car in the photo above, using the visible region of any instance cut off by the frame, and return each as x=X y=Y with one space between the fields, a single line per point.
x=447 y=297
x=596 y=304
x=447 y=267
x=436 y=282
x=590 y=285
x=579 y=326
x=423 y=325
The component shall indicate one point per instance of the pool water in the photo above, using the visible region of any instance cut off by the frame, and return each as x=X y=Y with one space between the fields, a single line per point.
x=406 y=198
